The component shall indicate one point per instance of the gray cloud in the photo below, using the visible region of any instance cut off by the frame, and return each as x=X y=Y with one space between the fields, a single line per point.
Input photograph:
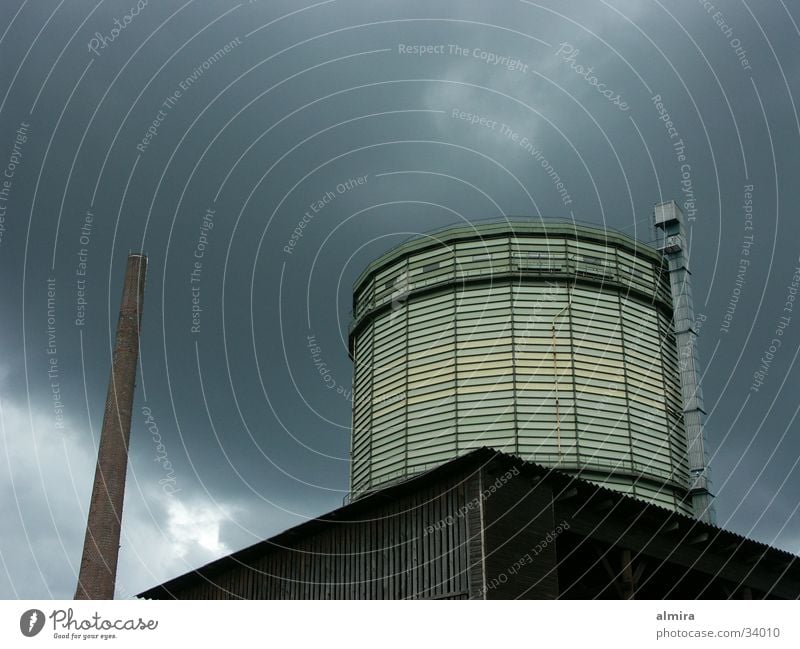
x=256 y=437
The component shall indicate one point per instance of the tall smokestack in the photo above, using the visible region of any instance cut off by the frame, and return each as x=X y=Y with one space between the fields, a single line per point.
x=98 y=571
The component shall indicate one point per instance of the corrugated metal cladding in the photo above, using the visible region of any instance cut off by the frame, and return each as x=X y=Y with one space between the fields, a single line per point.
x=551 y=342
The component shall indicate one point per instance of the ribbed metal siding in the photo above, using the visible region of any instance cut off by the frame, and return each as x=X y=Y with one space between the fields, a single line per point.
x=555 y=349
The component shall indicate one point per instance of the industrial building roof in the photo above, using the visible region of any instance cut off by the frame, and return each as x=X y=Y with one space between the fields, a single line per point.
x=628 y=507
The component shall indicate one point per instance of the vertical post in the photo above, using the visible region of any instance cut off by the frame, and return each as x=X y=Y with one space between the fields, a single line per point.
x=98 y=569
x=628 y=580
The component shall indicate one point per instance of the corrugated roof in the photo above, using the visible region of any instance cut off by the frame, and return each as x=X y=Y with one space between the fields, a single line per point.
x=474 y=459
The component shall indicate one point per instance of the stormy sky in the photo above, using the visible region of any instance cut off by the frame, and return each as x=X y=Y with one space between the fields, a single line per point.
x=201 y=133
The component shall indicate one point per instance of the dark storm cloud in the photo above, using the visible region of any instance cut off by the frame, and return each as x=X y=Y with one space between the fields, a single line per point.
x=202 y=133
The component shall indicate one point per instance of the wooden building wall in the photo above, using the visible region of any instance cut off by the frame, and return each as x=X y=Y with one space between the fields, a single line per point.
x=424 y=545
x=520 y=536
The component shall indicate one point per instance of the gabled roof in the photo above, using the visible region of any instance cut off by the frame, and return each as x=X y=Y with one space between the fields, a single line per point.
x=466 y=464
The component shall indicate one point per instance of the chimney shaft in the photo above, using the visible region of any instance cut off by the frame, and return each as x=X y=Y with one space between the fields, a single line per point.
x=98 y=570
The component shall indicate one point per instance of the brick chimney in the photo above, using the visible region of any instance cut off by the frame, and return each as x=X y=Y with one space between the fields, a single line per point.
x=98 y=571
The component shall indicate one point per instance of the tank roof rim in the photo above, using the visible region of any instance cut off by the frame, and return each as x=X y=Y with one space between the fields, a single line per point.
x=498 y=227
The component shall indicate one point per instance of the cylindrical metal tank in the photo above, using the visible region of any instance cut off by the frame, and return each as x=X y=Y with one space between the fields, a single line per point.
x=551 y=341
